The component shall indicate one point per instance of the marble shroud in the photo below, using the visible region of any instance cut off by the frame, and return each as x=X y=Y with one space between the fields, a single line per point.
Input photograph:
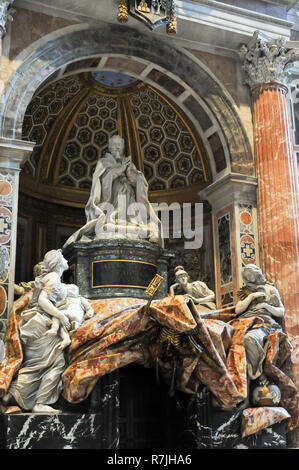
x=120 y=333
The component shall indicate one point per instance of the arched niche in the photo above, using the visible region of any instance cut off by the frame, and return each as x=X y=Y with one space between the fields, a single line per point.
x=147 y=57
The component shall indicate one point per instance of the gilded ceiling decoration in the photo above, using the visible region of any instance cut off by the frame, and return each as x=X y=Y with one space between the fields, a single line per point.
x=72 y=119
x=153 y=13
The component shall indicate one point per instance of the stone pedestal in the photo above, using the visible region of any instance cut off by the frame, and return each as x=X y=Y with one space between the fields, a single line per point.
x=116 y=268
x=93 y=424
x=64 y=431
x=209 y=428
x=226 y=426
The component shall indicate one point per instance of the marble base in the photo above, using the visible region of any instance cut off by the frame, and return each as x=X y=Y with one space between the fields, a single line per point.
x=63 y=431
x=226 y=429
x=209 y=428
x=116 y=268
x=92 y=424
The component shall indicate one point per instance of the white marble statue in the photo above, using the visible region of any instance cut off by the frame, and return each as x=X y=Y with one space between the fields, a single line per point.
x=262 y=300
x=198 y=291
x=117 y=186
x=38 y=384
x=75 y=308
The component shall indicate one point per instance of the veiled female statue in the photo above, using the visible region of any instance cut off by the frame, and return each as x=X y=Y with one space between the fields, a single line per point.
x=262 y=300
x=118 y=204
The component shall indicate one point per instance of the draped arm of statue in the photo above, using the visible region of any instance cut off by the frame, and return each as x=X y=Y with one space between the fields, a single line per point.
x=38 y=383
x=198 y=291
x=110 y=211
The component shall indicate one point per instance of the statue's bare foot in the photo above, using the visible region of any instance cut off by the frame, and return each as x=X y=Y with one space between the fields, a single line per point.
x=65 y=343
x=45 y=409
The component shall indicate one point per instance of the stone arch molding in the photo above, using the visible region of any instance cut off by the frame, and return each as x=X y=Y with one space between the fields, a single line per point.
x=189 y=83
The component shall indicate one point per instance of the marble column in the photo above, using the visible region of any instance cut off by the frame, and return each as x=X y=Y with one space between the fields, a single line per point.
x=233 y=202
x=266 y=65
x=12 y=154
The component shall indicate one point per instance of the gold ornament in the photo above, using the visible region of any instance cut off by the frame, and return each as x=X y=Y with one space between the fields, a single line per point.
x=143 y=6
x=123 y=14
x=152 y=289
x=171 y=27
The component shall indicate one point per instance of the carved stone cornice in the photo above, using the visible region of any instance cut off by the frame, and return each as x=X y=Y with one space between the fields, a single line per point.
x=5 y=15
x=267 y=61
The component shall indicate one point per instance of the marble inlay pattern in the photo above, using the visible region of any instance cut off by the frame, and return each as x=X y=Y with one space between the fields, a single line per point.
x=6 y=207
x=247 y=234
x=224 y=249
x=65 y=431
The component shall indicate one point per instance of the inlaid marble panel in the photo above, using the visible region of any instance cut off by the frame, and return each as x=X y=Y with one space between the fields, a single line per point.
x=247 y=234
x=224 y=249
x=6 y=208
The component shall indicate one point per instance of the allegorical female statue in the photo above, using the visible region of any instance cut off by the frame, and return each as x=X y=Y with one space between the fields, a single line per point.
x=198 y=291
x=262 y=300
x=118 y=204
x=38 y=383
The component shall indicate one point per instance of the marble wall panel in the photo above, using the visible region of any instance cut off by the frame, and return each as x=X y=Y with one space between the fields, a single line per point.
x=225 y=256
x=198 y=112
x=6 y=209
x=82 y=64
x=225 y=69
x=126 y=65
x=29 y=26
x=166 y=82
x=224 y=249
x=218 y=152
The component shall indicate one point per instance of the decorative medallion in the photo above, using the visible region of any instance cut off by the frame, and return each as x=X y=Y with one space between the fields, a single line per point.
x=3 y=300
x=153 y=13
x=247 y=249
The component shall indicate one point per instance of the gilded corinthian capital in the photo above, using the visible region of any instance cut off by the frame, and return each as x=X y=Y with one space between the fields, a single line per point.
x=5 y=15
x=267 y=61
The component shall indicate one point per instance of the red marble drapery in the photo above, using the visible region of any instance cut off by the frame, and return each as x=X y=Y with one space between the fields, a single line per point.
x=118 y=334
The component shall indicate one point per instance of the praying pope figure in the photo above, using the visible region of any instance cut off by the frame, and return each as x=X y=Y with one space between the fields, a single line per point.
x=118 y=205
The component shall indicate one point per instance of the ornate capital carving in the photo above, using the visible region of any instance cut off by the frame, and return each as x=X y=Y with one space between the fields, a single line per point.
x=267 y=61
x=5 y=15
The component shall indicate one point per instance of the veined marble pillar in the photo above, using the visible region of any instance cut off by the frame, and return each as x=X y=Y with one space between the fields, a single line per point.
x=12 y=154
x=233 y=202
x=277 y=196
x=266 y=65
